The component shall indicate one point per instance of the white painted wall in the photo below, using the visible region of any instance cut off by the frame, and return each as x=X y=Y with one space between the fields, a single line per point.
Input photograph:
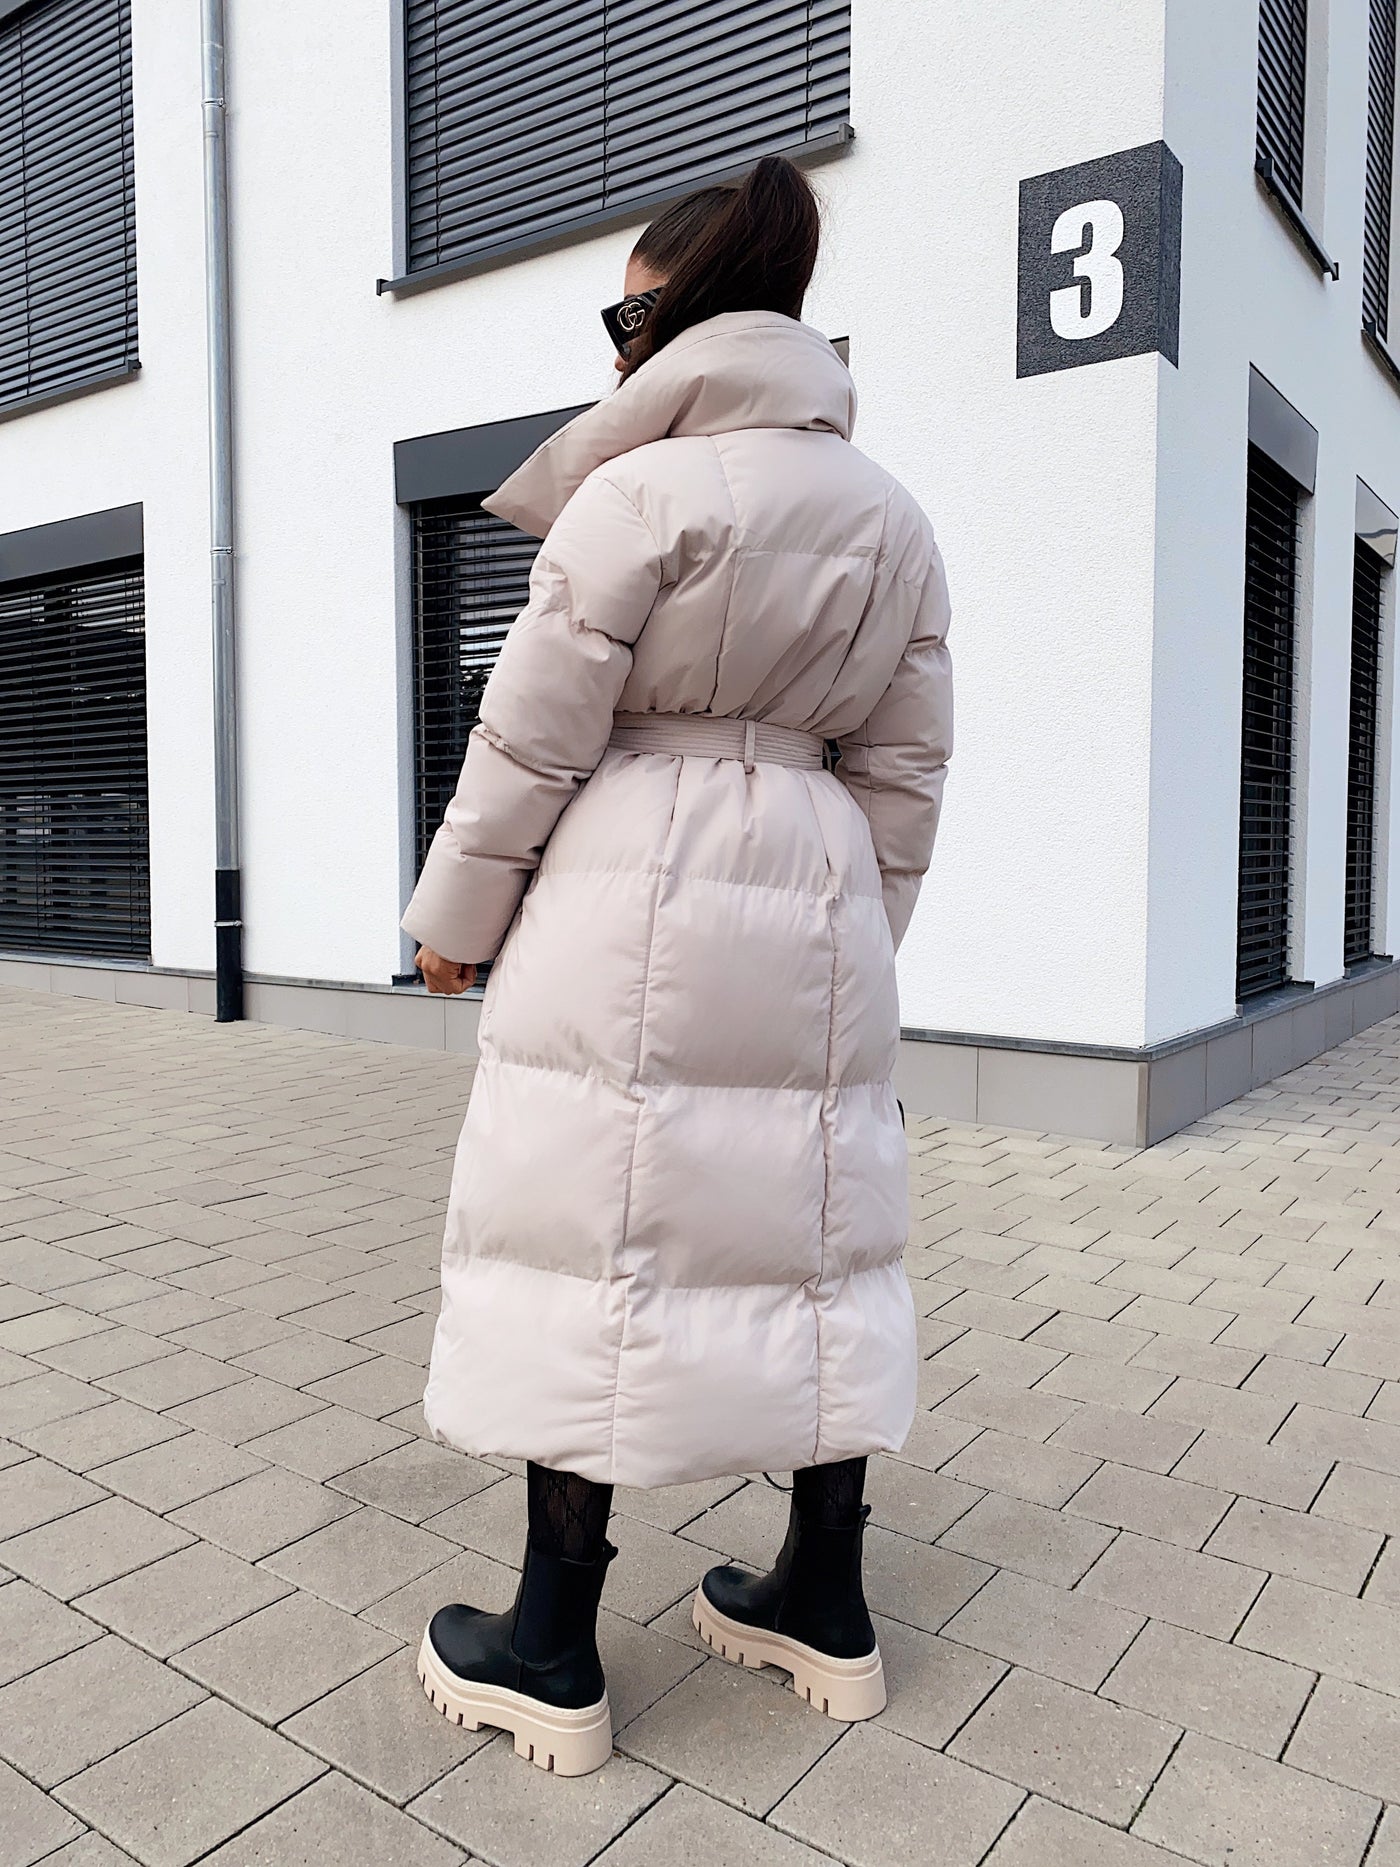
x=1041 y=491
x=1084 y=885
x=144 y=440
x=1251 y=295
x=1032 y=920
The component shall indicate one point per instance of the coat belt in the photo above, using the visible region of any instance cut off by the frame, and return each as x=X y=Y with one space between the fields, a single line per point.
x=703 y=735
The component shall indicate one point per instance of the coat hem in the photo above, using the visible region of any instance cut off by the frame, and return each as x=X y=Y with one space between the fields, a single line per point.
x=636 y=1476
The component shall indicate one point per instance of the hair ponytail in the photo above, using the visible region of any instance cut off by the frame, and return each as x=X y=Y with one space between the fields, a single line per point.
x=750 y=248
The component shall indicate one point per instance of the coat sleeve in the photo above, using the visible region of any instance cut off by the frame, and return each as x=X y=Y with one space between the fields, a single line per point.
x=895 y=764
x=546 y=716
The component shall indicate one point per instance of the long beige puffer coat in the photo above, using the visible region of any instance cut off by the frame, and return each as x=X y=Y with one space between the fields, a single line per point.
x=678 y=1210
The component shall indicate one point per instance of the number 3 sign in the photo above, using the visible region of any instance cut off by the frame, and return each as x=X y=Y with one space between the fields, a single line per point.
x=1100 y=261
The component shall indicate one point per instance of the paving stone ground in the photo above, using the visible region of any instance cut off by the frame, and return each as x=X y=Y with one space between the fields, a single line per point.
x=1137 y=1572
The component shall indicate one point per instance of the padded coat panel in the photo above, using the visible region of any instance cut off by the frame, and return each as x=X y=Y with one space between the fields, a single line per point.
x=678 y=1209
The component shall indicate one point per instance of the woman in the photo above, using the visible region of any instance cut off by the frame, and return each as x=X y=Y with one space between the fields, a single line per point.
x=674 y=1244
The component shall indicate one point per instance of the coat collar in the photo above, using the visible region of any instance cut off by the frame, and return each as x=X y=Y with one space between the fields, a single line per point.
x=744 y=369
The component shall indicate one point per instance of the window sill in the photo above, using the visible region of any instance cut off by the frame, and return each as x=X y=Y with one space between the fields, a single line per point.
x=412 y=984
x=30 y=404
x=1273 y=998
x=1363 y=968
x=1297 y=221
x=528 y=244
x=69 y=956
x=1380 y=350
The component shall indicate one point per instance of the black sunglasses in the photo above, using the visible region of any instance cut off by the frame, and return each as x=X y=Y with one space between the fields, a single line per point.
x=623 y=320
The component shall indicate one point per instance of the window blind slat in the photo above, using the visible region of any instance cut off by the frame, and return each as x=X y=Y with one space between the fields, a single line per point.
x=1380 y=168
x=74 y=847
x=67 y=212
x=471 y=578
x=1283 y=52
x=526 y=119
x=1266 y=752
x=1368 y=588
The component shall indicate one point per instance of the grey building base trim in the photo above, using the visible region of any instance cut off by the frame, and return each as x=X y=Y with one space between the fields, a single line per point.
x=1130 y=1097
x=381 y=1014
x=1136 y=1097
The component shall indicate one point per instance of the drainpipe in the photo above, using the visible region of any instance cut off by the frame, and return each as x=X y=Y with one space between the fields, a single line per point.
x=228 y=910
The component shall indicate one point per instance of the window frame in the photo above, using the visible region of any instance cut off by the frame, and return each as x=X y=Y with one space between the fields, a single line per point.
x=1287 y=443
x=461 y=465
x=436 y=766
x=1273 y=179
x=1377 y=530
x=14 y=15
x=1279 y=98
x=1375 y=310
x=106 y=592
x=1377 y=339
x=1283 y=800
x=405 y=281
x=1365 y=744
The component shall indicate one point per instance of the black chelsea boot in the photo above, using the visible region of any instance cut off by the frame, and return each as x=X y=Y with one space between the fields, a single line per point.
x=807 y=1615
x=533 y=1671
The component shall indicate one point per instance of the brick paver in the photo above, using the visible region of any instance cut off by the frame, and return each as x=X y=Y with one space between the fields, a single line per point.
x=1136 y=1573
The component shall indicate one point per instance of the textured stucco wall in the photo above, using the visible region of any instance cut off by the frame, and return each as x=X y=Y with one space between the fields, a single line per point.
x=1251 y=295
x=144 y=440
x=1034 y=921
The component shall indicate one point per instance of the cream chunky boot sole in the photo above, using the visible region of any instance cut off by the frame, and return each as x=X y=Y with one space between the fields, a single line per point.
x=571 y=1743
x=846 y=1689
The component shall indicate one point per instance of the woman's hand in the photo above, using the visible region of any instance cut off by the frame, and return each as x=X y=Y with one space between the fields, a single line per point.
x=448 y=976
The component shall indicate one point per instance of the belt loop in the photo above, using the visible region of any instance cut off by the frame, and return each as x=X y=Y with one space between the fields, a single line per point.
x=748 y=744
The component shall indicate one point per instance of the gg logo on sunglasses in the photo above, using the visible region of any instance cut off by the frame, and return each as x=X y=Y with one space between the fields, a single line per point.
x=623 y=320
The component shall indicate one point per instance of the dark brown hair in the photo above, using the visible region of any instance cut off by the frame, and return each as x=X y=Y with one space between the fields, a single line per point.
x=748 y=248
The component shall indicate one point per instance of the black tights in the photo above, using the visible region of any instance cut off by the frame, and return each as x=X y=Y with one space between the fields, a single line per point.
x=830 y=1495
x=569 y=1515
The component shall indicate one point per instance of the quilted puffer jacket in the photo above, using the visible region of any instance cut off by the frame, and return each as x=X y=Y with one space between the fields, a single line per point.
x=678 y=1209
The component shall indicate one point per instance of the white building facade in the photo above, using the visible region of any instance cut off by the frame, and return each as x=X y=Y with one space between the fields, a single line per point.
x=1117 y=284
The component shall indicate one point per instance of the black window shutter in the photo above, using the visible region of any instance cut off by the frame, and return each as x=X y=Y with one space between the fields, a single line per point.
x=1266 y=762
x=74 y=856
x=1366 y=610
x=525 y=118
x=1283 y=61
x=471 y=579
x=67 y=198
x=1380 y=169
